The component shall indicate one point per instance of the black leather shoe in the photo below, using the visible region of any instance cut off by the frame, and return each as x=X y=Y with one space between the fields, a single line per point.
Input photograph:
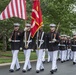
x=18 y=69
x=74 y=63
x=37 y=71
x=43 y=61
x=55 y=70
x=62 y=61
x=68 y=60
x=29 y=69
x=48 y=61
x=58 y=59
x=52 y=71
x=11 y=70
x=24 y=71
x=41 y=69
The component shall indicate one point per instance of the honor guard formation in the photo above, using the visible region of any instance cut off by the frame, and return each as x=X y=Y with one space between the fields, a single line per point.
x=58 y=47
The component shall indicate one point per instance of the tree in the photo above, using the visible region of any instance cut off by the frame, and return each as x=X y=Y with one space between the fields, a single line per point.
x=59 y=11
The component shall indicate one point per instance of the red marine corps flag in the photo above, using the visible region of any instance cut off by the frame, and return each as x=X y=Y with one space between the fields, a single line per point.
x=16 y=8
x=36 y=22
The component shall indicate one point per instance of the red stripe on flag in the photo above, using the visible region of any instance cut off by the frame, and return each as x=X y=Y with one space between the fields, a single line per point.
x=3 y=15
x=8 y=13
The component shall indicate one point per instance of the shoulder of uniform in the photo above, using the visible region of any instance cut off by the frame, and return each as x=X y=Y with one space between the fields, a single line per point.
x=48 y=33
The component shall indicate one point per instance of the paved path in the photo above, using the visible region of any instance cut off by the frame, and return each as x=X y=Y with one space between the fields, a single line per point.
x=66 y=68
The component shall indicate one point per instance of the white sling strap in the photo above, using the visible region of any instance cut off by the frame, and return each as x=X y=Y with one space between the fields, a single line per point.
x=41 y=41
x=29 y=39
x=25 y=39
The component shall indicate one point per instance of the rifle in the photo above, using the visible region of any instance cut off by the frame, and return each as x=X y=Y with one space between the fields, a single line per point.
x=56 y=30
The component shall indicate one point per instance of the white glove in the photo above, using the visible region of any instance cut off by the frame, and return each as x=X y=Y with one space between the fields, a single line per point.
x=9 y=40
x=54 y=40
x=25 y=29
x=20 y=48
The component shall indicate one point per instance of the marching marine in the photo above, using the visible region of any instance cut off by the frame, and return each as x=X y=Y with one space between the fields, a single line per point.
x=15 y=39
x=63 y=47
x=53 y=40
x=73 y=47
x=28 y=43
x=40 y=42
x=68 y=48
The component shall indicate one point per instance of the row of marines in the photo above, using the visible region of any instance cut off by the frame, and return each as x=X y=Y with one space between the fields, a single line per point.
x=52 y=41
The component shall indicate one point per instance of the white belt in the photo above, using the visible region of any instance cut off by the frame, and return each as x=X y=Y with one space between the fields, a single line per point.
x=41 y=40
x=15 y=40
x=51 y=41
x=62 y=45
x=28 y=41
x=74 y=45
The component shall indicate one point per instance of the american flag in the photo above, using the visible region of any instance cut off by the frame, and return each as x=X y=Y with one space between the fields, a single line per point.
x=16 y=8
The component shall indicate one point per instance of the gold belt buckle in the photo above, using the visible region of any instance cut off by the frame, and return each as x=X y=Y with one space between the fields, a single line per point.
x=38 y=48
x=26 y=46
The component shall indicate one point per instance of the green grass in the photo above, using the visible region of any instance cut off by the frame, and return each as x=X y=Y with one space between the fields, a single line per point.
x=6 y=57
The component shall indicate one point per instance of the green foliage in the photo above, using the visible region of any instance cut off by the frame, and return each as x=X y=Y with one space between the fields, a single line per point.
x=59 y=11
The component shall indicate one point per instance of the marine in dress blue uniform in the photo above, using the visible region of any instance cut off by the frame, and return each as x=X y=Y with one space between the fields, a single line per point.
x=15 y=39
x=73 y=47
x=53 y=40
x=40 y=46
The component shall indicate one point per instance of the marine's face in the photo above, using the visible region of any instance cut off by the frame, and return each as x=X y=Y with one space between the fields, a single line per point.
x=28 y=27
x=16 y=28
x=52 y=29
x=65 y=38
x=74 y=36
x=61 y=37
